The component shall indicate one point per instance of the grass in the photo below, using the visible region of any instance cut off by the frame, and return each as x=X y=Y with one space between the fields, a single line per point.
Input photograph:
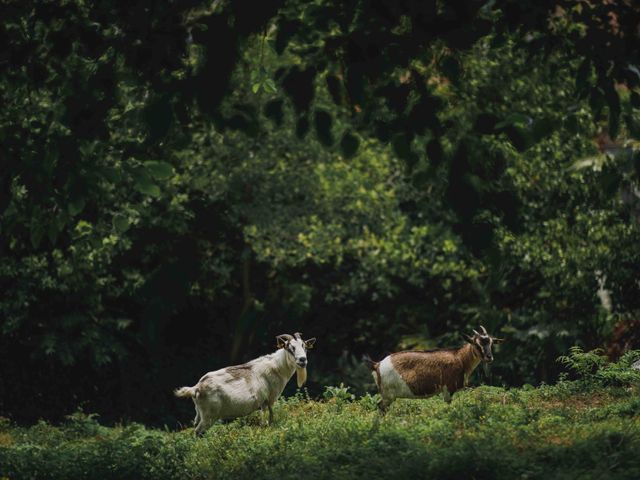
x=566 y=431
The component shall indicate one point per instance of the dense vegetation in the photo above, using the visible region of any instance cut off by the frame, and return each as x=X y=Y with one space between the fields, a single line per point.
x=574 y=429
x=182 y=182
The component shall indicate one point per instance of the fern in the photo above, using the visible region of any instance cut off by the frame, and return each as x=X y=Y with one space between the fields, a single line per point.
x=594 y=368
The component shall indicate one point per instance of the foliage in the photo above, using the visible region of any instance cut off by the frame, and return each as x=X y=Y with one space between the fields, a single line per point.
x=68 y=90
x=593 y=368
x=485 y=433
x=339 y=395
x=380 y=176
x=379 y=76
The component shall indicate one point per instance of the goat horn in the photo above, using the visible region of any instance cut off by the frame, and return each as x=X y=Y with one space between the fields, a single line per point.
x=284 y=336
x=474 y=331
x=484 y=330
x=298 y=335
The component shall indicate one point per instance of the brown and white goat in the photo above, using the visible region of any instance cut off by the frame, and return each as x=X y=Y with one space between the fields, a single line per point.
x=239 y=390
x=421 y=374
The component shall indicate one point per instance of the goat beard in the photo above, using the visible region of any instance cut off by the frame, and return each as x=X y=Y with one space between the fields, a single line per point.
x=301 y=375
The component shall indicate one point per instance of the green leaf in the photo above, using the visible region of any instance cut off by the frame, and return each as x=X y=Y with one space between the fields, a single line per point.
x=83 y=228
x=121 y=223
x=159 y=170
x=270 y=86
x=150 y=189
x=256 y=87
x=144 y=184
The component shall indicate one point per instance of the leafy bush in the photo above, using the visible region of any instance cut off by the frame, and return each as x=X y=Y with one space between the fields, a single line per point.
x=338 y=395
x=593 y=368
x=485 y=433
x=370 y=402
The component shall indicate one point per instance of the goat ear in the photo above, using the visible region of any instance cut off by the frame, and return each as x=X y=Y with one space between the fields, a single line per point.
x=310 y=343
x=468 y=338
x=497 y=340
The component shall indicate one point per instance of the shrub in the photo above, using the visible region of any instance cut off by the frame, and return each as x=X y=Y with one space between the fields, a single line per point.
x=593 y=369
x=339 y=395
x=485 y=433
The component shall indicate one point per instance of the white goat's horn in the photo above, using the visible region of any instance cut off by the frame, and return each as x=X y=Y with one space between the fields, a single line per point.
x=484 y=330
x=477 y=333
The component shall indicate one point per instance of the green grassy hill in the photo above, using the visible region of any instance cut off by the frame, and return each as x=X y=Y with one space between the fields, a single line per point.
x=551 y=432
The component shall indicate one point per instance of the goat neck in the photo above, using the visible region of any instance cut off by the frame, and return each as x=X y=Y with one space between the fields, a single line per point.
x=284 y=364
x=470 y=358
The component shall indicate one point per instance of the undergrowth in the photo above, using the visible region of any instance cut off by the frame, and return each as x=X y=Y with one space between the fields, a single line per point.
x=586 y=428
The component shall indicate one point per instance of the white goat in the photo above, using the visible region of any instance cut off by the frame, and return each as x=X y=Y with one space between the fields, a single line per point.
x=242 y=389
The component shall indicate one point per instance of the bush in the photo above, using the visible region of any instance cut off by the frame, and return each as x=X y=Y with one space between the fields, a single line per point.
x=485 y=433
x=593 y=369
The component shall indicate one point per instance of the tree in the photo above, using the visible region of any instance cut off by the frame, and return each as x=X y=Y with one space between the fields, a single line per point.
x=184 y=179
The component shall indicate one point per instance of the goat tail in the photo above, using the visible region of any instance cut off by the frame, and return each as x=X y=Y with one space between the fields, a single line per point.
x=369 y=362
x=185 y=392
x=375 y=371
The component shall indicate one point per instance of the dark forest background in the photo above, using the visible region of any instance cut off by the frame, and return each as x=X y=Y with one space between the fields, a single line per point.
x=181 y=181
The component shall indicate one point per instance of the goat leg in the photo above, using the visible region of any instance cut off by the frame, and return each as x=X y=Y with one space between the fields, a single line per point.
x=446 y=395
x=383 y=406
x=270 y=414
x=196 y=420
